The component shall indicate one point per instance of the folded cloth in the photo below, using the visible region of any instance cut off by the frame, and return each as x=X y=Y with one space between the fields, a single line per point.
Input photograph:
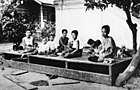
x=108 y=60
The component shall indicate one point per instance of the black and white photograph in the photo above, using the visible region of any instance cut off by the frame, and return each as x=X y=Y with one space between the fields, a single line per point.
x=69 y=44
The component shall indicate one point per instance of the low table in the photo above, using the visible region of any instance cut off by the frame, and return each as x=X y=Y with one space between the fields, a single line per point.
x=75 y=68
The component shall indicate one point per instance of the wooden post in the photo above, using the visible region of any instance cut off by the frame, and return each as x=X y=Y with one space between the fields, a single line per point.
x=41 y=15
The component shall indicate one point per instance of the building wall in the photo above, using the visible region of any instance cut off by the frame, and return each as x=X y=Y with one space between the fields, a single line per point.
x=73 y=16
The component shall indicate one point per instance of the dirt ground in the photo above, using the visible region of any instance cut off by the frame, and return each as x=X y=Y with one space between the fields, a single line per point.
x=6 y=84
x=5 y=47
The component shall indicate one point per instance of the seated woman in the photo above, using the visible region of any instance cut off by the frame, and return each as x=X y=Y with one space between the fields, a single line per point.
x=37 y=49
x=32 y=51
x=63 y=41
x=108 y=46
x=73 y=50
x=43 y=46
x=51 y=45
x=28 y=44
x=28 y=41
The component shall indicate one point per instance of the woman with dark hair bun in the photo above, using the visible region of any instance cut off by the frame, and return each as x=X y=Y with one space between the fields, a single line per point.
x=74 y=45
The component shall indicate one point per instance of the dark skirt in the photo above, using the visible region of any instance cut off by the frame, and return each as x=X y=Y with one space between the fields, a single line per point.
x=68 y=54
x=93 y=58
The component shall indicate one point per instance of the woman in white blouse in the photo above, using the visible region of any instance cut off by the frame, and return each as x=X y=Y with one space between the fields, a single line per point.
x=28 y=40
x=74 y=46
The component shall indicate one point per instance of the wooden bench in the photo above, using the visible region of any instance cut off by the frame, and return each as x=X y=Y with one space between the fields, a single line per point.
x=14 y=55
x=75 y=68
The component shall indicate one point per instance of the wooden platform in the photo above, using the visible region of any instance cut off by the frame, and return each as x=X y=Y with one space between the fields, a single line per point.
x=76 y=68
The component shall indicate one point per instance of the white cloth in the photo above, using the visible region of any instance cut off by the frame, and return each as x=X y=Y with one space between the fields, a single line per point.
x=42 y=47
x=75 y=43
x=51 y=45
x=28 y=41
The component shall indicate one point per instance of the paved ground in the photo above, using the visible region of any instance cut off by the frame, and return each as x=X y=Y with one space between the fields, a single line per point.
x=6 y=84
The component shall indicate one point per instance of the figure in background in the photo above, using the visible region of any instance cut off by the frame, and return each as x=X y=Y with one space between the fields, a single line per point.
x=95 y=47
x=74 y=47
x=123 y=52
x=16 y=46
x=108 y=46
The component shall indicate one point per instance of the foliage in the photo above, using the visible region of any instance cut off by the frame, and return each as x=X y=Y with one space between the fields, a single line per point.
x=133 y=5
x=15 y=24
x=49 y=28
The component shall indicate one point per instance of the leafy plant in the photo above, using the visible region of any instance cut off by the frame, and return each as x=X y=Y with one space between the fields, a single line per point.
x=15 y=24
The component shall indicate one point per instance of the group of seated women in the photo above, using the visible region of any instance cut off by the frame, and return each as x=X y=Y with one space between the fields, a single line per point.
x=99 y=50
